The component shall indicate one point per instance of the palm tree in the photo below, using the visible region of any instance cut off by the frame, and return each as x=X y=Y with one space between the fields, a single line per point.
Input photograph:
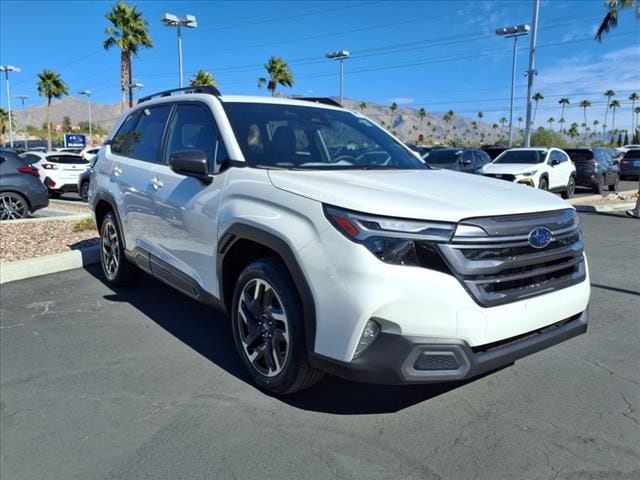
x=536 y=98
x=447 y=117
x=422 y=113
x=610 y=20
x=520 y=120
x=613 y=105
x=503 y=122
x=573 y=130
x=50 y=85
x=279 y=74
x=480 y=115
x=637 y=112
x=584 y=104
x=393 y=108
x=129 y=32
x=363 y=106
x=595 y=126
x=564 y=102
x=202 y=79
x=633 y=97
x=4 y=121
x=550 y=120
x=608 y=94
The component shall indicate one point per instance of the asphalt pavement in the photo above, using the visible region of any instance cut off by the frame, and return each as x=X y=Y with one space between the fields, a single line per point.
x=98 y=383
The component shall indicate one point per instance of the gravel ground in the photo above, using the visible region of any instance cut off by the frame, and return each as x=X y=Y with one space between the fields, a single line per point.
x=35 y=239
x=69 y=207
x=609 y=199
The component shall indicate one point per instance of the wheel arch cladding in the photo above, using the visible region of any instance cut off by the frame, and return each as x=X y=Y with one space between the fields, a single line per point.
x=104 y=204
x=242 y=244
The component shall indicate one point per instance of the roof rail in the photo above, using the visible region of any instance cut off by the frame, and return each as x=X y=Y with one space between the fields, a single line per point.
x=325 y=100
x=167 y=93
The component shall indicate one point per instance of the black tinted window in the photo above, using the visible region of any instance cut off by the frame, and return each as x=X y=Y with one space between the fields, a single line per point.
x=442 y=156
x=193 y=128
x=632 y=154
x=147 y=136
x=67 y=159
x=580 y=155
x=121 y=143
x=30 y=158
x=521 y=156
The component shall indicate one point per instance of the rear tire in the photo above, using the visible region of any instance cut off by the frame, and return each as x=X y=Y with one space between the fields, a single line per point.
x=614 y=187
x=117 y=270
x=598 y=187
x=13 y=206
x=268 y=329
x=54 y=194
x=570 y=189
x=84 y=191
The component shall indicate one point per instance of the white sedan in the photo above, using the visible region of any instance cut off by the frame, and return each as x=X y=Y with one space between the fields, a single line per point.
x=59 y=171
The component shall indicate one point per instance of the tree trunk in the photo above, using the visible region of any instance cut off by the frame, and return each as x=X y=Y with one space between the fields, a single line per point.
x=124 y=72
x=49 y=124
x=130 y=84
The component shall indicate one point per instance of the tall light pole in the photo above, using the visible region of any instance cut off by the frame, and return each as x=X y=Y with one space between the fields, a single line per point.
x=22 y=98
x=532 y=71
x=137 y=86
x=341 y=55
x=188 y=21
x=87 y=93
x=6 y=69
x=513 y=32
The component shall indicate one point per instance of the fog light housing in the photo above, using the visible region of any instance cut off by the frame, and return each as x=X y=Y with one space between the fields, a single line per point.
x=369 y=334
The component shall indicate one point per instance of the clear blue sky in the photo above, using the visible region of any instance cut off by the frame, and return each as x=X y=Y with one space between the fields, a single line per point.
x=436 y=55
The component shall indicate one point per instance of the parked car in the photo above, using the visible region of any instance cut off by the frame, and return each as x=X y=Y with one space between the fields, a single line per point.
x=85 y=178
x=367 y=264
x=21 y=191
x=494 y=150
x=545 y=168
x=60 y=171
x=630 y=164
x=89 y=153
x=595 y=168
x=469 y=160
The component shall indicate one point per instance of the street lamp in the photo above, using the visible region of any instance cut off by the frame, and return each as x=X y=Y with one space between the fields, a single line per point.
x=137 y=86
x=341 y=55
x=22 y=98
x=513 y=32
x=87 y=93
x=6 y=69
x=188 y=21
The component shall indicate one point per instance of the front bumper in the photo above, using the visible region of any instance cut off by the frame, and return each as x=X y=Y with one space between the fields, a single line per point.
x=396 y=359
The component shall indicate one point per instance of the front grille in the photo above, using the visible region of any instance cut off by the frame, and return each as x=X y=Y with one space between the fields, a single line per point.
x=502 y=267
x=502 y=176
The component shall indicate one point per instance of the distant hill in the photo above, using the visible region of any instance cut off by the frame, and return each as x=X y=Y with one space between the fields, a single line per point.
x=405 y=122
x=75 y=108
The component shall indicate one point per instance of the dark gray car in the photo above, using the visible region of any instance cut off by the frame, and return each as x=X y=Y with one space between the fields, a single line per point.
x=85 y=178
x=21 y=190
x=469 y=160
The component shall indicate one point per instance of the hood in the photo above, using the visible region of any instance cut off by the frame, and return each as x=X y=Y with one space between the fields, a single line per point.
x=419 y=194
x=512 y=168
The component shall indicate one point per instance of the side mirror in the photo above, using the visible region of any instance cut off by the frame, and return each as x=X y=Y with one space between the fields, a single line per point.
x=555 y=162
x=466 y=162
x=192 y=163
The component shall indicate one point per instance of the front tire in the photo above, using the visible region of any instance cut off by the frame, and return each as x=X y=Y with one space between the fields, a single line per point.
x=543 y=184
x=599 y=186
x=115 y=266
x=268 y=329
x=570 y=189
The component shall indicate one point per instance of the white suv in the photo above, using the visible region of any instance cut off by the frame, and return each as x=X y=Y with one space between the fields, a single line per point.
x=59 y=171
x=545 y=168
x=330 y=245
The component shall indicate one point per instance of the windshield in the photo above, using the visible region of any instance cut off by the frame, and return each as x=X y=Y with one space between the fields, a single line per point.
x=443 y=156
x=521 y=156
x=311 y=138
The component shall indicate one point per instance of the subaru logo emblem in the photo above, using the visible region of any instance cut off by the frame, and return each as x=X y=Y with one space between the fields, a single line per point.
x=540 y=237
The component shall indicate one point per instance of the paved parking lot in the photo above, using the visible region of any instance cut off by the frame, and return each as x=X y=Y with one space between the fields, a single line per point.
x=102 y=383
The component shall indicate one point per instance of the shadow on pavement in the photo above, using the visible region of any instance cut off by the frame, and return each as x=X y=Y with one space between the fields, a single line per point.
x=206 y=330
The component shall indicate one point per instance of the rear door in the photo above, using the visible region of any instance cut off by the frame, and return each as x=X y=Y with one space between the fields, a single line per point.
x=133 y=156
x=187 y=206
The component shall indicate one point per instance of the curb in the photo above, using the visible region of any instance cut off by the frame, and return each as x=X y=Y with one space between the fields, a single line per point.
x=604 y=208
x=59 y=262
x=585 y=200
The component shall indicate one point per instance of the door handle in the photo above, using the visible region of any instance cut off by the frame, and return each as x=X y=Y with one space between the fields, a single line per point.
x=156 y=183
x=117 y=171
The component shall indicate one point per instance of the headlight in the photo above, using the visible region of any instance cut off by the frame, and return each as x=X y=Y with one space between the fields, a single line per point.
x=393 y=240
x=529 y=173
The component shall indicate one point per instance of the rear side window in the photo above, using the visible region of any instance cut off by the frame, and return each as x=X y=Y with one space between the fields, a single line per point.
x=632 y=154
x=580 y=155
x=193 y=128
x=121 y=142
x=30 y=158
x=147 y=135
